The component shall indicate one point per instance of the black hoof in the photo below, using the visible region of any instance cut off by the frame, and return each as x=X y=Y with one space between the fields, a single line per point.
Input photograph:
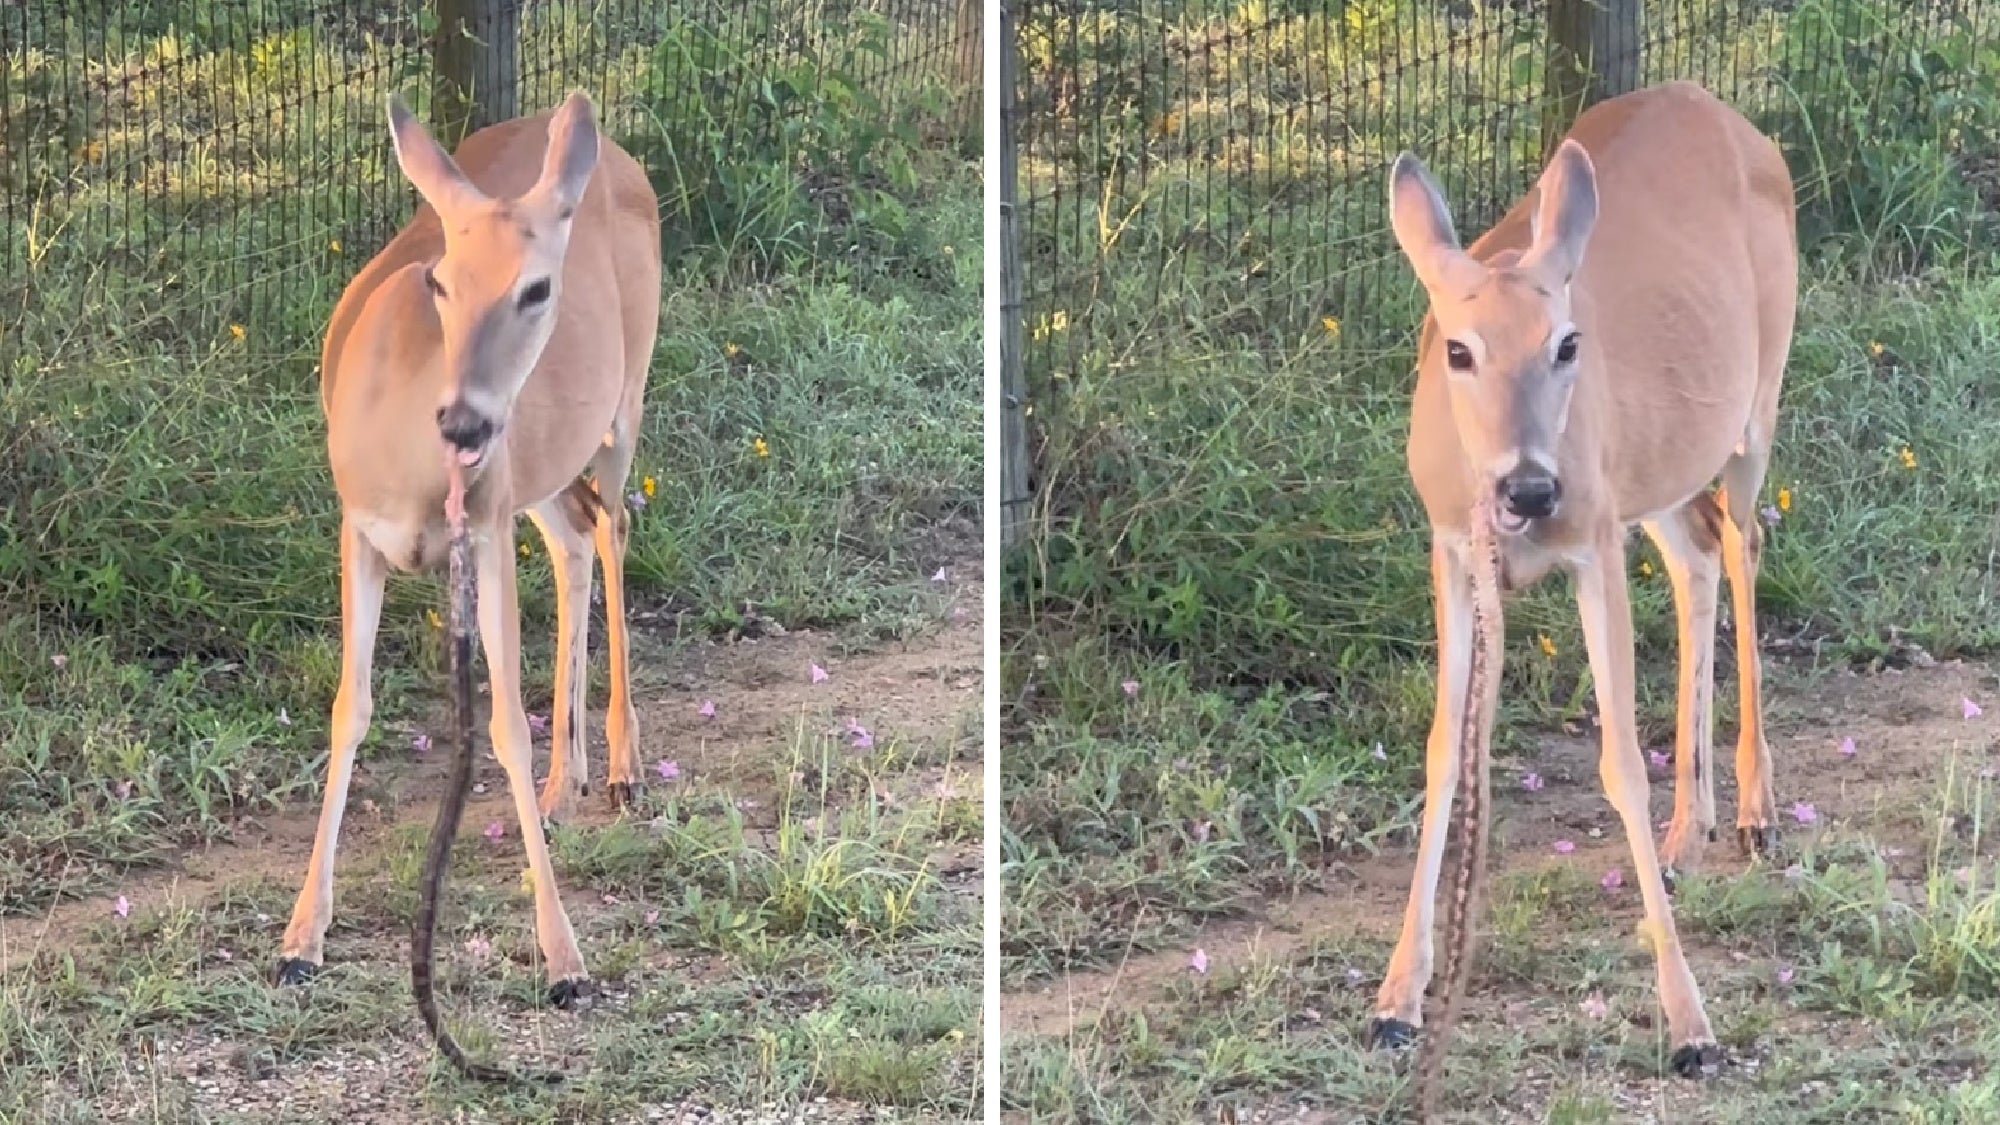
x=565 y=993
x=1390 y=1035
x=1696 y=1060
x=1757 y=841
x=295 y=970
x=625 y=795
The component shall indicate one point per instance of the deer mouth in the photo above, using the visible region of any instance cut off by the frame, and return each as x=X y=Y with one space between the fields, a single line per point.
x=1509 y=523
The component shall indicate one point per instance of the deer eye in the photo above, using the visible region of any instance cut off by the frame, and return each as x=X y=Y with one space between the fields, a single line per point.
x=1457 y=356
x=535 y=293
x=1566 y=351
x=431 y=283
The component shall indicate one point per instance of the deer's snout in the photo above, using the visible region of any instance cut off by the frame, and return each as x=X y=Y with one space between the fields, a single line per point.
x=464 y=427
x=1530 y=492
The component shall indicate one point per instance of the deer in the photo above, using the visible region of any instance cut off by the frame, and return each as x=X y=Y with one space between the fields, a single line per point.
x=1602 y=357
x=500 y=342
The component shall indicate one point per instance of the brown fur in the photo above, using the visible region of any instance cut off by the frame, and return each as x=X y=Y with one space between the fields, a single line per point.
x=1658 y=253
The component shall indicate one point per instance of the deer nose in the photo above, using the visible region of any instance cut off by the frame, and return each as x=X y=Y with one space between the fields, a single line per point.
x=1531 y=493
x=464 y=427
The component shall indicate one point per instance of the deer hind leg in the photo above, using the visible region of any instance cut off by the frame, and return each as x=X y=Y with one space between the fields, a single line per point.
x=363 y=574
x=612 y=467
x=1605 y=606
x=565 y=525
x=1399 y=1007
x=1742 y=552
x=500 y=636
x=1690 y=540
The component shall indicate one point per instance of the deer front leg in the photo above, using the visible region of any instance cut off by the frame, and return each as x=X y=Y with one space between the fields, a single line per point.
x=1399 y=1008
x=1690 y=542
x=500 y=637
x=1604 y=604
x=363 y=573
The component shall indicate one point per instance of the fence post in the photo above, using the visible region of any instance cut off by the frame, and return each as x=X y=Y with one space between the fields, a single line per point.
x=1013 y=378
x=971 y=54
x=478 y=66
x=1593 y=54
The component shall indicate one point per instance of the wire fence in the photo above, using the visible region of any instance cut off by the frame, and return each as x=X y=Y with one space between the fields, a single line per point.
x=1193 y=172
x=232 y=155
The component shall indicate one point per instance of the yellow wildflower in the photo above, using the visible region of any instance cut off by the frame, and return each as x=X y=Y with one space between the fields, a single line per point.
x=1875 y=348
x=762 y=449
x=1645 y=568
x=1332 y=325
x=1784 y=499
x=948 y=250
x=1548 y=646
x=650 y=486
x=237 y=331
x=1909 y=458
x=334 y=246
x=436 y=621
x=731 y=350
x=525 y=551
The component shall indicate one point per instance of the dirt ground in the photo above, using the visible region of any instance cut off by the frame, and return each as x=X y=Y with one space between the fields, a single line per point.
x=1910 y=730
x=924 y=693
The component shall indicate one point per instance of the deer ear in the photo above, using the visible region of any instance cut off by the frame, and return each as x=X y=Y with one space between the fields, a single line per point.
x=572 y=153
x=427 y=166
x=1564 y=216
x=1422 y=223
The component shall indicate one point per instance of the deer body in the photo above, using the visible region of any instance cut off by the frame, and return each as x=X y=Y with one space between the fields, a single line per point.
x=510 y=327
x=1612 y=347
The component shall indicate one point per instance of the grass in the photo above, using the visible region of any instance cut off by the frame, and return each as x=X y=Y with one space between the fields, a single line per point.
x=188 y=192
x=1217 y=639
x=738 y=970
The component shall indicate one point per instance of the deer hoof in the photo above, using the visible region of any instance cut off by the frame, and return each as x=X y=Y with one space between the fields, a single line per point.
x=1697 y=1060
x=625 y=795
x=1390 y=1034
x=1757 y=840
x=295 y=970
x=565 y=993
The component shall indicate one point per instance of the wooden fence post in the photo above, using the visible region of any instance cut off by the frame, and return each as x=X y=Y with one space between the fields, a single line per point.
x=478 y=66
x=1014 y=495
x=1593 y=54
x=971 y=55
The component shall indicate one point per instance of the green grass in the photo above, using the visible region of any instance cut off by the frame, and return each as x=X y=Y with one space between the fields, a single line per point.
x=1217 y=654
x=189 y=193
x=1839 y=999
x=168 y=556
x=829 y=963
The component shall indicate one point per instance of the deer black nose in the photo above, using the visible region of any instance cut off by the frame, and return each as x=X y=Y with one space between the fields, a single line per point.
x=464 y=427
x=1530 y=493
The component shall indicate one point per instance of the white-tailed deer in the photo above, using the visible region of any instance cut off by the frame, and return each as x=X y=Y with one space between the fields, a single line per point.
x=509 y=326
x=1598 y=359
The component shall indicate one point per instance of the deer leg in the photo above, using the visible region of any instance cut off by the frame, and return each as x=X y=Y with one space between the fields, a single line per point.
x=612 y=468
x=1742 y=552
x=1690 y=542
x=363 y=574
x=1604 y=604
x=500 y=637
x=565 y=528
x=1399 y=1007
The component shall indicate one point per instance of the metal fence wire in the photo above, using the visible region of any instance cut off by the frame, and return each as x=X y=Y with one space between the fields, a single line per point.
x=1191 y=170
x=231 y=155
